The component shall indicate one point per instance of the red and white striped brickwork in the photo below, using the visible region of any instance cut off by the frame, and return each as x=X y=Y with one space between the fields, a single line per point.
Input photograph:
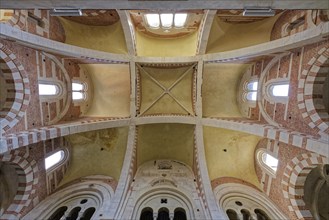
x=28 y=177
x=310 y=99
x=293 y=182
x=18 y=90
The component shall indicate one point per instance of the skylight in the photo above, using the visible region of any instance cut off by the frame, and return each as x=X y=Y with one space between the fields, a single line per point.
x=166 y=20
x=153 y=20
x=54 y=159
x=47 y=89
x=270 y=161
x=280 y=90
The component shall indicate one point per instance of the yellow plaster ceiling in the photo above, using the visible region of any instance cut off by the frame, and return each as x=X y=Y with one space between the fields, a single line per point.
x=165 y=141
x=181 y=100
x=237 y=161
x=97 y=153
x=111 y=83
x=104 y=38
x=219 y=89
x=225 y=36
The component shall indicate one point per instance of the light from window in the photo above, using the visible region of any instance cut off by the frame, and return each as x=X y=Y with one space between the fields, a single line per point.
x=54 y=159
x=166 y=20
x=77 y=95
x=153 y=20
x=77 y=86
x=78 y=92
x=252 y=96
x=270 y=161
x=48 y=89
x=252 y=86
x=280 y=90
x=180 y=20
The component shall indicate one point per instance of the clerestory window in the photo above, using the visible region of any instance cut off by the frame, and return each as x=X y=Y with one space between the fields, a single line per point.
x=251 y=91
x=166 y=20
x=54 y=159
x=78 y=91
x=48 y=89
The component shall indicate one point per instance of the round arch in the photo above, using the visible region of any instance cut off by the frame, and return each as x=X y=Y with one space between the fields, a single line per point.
x=93 y=188
x=17 y=87
x=293 y=188
x=27 y=172
x=228 y=192
x=310 y=99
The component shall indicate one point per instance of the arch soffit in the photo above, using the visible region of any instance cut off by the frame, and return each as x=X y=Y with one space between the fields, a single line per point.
x=29 y=179
x=297 y=170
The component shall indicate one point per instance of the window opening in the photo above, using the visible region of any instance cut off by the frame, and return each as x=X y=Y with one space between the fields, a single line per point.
x=147 y=214
x=57 y=215
x=232 y=215
x=179 y=214
x=163 y=214
x=88 y=213
x=54 y=159
x=48 y=89
x=166 y=20
x=245 y=214
x=180 y=20
x=153 y=20
x=77 y=91
x=261 y=215
x=74 y=213
x=280 y=90
x=270 y=161
x=296 y=24
x=251 y=93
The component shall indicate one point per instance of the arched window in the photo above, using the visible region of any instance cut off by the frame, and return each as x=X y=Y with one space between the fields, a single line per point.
x=78 y=91
x=279 y=90
x=54 y=159
x=179 y=214
x=251 y=91
x=163 y=214
x=147 y=214
x=48 y=89
x=261 y=215
x=232 y=215
x=270 y=161
x=166 y=20
x=57 y=215
x=88 y=213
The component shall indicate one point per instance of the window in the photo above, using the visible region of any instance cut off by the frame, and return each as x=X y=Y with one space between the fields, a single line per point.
x=48 y=89
x=267 y=162
x=166 y=20
x=54 y=159
x=280 y=90
x=251 y=91
x=270 y=161
x=78 y=91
